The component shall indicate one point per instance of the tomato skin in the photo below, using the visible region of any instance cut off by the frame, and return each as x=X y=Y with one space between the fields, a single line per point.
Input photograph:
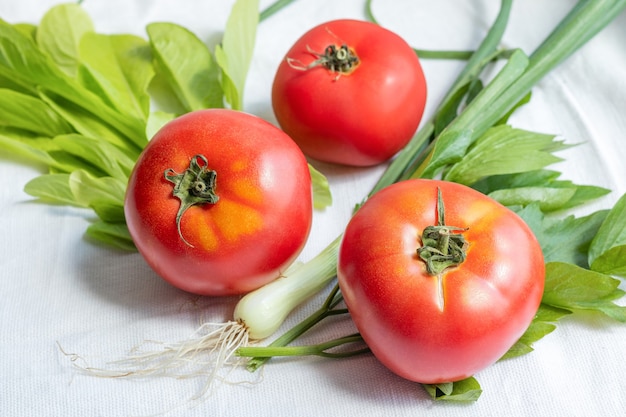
x=489 y=300
x=258 y=226
x=362 y=118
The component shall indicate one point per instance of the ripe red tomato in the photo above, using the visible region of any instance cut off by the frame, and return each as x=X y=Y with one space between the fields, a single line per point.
x=350 y=92
x=219 y=202
x=441 y=326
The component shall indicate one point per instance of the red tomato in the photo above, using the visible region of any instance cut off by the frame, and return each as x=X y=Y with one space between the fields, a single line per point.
x=350 y=92
x=248 y=197
x=440 y=327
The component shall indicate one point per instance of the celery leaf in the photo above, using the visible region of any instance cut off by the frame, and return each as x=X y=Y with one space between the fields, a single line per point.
x=542 y=325
x=466 y=390
x=607 y=252
x=563 y=239
x=504 y=150
x=574 y=288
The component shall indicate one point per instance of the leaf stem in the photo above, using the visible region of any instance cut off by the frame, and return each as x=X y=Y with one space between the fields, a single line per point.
x=273 y=8
x=423 y=53
x=320 y=349
x=326 y=310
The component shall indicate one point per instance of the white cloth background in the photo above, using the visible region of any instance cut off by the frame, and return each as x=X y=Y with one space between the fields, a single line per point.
x=58 y=290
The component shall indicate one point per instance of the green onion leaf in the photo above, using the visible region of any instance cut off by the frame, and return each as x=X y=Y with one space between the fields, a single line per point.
x=454 y=140
x=274 y=8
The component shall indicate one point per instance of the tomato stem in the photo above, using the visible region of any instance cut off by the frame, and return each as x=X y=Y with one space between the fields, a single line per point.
x=196 y=185
x=340 y=60
x=443 y=246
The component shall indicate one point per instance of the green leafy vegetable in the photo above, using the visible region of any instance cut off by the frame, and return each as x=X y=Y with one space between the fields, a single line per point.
x=607 y=253
x=455 y=139
x=574 y=288
x=156 y=120
x=25 y=112
x=235 y=54
x=102 y=194
x=30 y=147
x=52 y=188
x=466 y=390
x=112 y=234
x=98 y=156
x=187 y=66
x=504 y=150
x=542 y=325
x=118 y=69
x=321 y=189
x=518 y=189
x=563 y=239
x=90 y=125
x=27 y=66
x=60 y=32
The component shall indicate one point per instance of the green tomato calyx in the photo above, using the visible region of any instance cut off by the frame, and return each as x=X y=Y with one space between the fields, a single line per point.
x=341 y=60
x=195 y=186
x=443 y=246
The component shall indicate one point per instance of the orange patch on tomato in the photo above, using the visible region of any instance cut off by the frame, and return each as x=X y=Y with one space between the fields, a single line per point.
x=476 y=211
x=236 y=220
x=246 y=191
x=225 y=223
x=238 y=165
x=202 y=229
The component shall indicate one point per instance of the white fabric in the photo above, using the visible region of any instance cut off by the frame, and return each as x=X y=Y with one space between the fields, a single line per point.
x=60 y=295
